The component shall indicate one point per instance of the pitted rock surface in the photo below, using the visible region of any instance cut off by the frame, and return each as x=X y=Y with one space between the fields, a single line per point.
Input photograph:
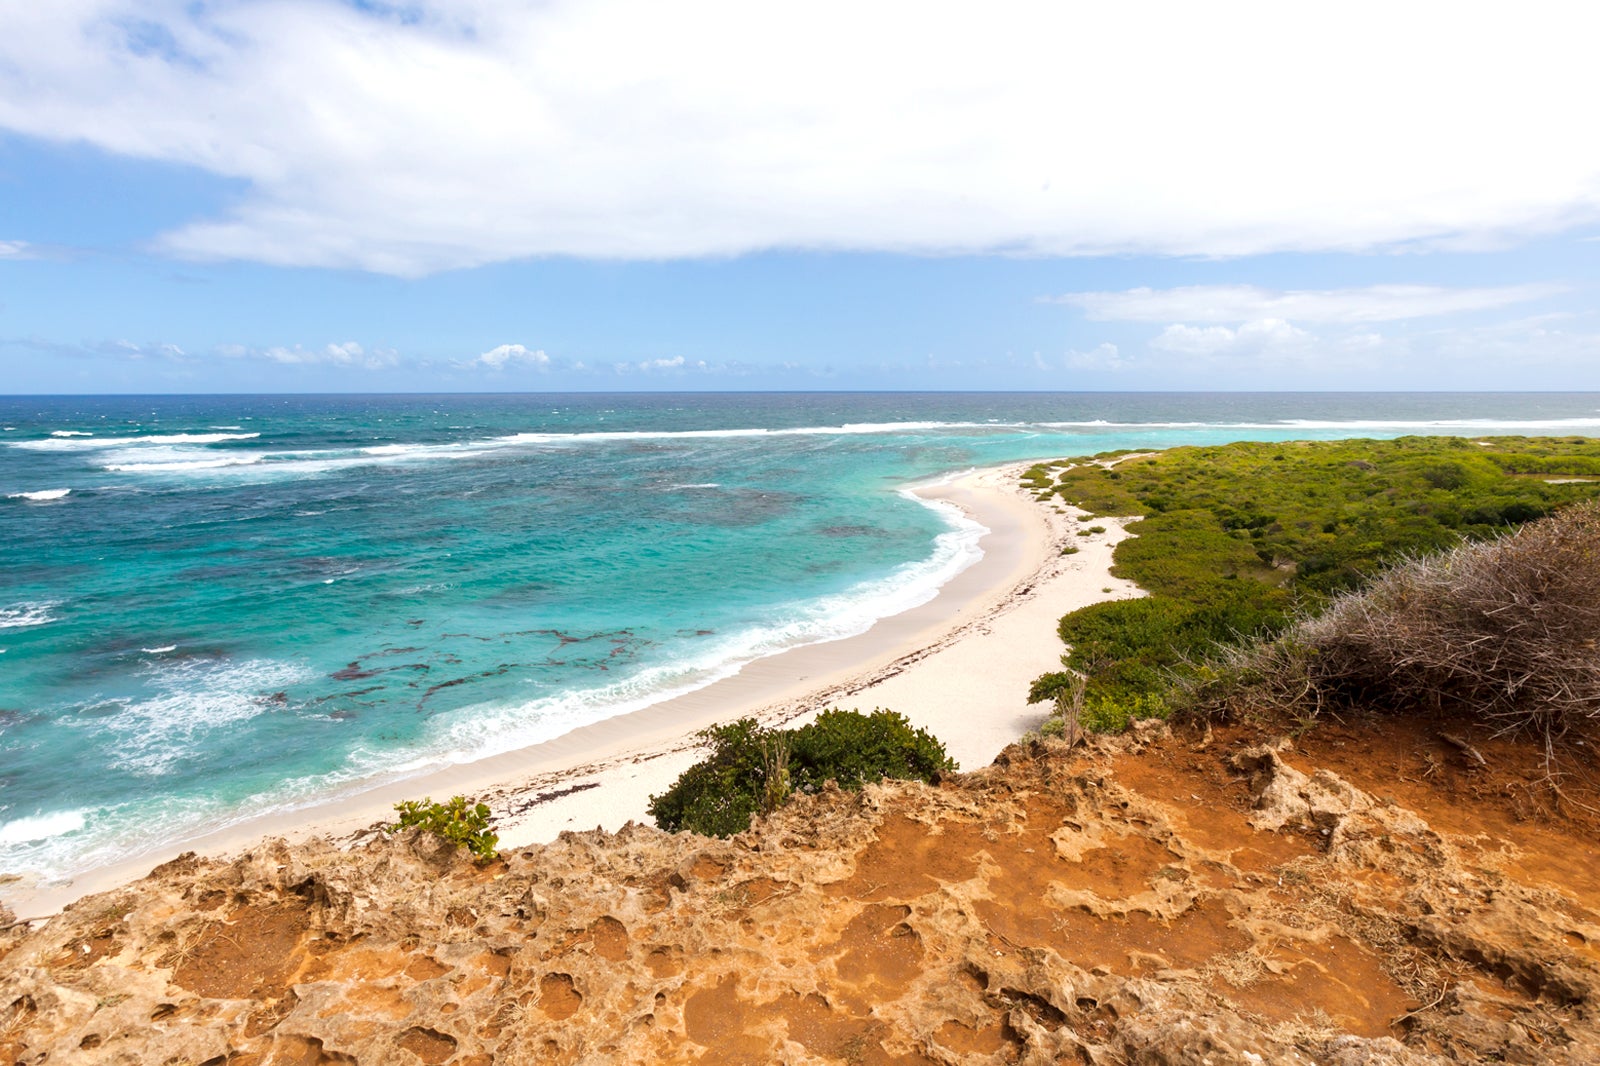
x=1153 y=899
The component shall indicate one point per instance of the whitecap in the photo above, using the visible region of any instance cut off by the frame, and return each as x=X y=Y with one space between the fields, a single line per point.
x=57 y=444
x=27 y=614
x=159 y=651
x=41 y=826
x=69 y=433
x=179 y=466
x=847 y=429
x=41 y=495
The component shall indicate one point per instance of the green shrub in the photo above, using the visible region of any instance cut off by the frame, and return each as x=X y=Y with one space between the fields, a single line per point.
x=454 y=821
x=750 y=769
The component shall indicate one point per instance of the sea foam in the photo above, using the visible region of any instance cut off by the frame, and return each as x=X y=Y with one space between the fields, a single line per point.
x=179 y=466
x=27 y=614
x=191 y=700
x=41 y=826
x=79 y=442
x=40 y=496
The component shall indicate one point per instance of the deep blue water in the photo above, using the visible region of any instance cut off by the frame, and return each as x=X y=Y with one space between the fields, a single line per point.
x=215 y=606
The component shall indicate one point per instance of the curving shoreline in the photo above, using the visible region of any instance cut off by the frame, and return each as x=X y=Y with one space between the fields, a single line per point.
x=958 y=665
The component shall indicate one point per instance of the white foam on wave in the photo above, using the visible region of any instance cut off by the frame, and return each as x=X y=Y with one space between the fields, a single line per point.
x=455 y=450
x=69 y=433
x=40 y=496
x=179 y=466
x=41 y=826
x=57 y=443
x=271 y=464
x=60 y=845
x=191 y=700
x=161 y=650
x=847 y=429
x=36 y=613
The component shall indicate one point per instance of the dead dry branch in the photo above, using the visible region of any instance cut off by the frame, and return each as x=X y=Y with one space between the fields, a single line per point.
x=1507 y=631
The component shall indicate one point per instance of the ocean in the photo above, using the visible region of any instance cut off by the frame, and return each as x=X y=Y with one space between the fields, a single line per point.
x=213 y=608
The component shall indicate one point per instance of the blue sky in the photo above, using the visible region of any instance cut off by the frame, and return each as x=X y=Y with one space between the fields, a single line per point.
x=266 y=195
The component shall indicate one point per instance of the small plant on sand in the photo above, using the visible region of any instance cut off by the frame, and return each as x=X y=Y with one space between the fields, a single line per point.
x=456 y=821
x=751 y=769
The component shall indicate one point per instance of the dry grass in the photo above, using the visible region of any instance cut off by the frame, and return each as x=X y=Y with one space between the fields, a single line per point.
x=1507 y=631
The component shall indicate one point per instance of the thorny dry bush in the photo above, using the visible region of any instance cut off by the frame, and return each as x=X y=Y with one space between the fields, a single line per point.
x=1507 y=630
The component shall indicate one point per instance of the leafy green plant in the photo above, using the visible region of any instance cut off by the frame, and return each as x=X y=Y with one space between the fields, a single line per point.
x=456 y=821
x=751 y=769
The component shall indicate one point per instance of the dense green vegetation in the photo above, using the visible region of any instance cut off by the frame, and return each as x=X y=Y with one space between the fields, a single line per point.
x=1239 y=539
x=752 y=769
x=456 y=821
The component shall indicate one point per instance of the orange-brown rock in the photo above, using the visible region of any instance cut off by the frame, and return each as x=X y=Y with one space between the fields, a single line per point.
x=1155 y=899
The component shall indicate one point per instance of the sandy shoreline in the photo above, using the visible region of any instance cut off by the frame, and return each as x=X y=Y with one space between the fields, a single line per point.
x=958 y=666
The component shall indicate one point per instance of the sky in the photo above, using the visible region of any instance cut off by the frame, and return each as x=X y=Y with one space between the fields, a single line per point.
x=487 y=195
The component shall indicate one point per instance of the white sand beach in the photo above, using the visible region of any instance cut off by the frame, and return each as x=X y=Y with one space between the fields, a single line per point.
x=958 y=666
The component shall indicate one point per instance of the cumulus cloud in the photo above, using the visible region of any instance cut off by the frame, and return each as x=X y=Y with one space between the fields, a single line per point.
x=1238 y=303
x=446 y=135
x=1263 y=335
x=503 y=355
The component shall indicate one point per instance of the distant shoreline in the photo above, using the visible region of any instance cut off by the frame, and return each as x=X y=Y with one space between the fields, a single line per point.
x=958 y=665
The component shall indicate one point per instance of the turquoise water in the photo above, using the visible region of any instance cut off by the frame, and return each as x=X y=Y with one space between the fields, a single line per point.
x=213 y=607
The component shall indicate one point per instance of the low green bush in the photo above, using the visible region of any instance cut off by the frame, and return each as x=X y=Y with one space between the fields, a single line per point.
x=456 y=821
x=751 y=769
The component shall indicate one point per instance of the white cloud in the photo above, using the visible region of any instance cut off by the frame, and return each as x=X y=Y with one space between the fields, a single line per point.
x=474 y=132
x=16 y=250
x=1104 y=356
x=649 y=365
x=1262 y=335
x=503 y=355
x=1238 y=303
x=347 y=354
